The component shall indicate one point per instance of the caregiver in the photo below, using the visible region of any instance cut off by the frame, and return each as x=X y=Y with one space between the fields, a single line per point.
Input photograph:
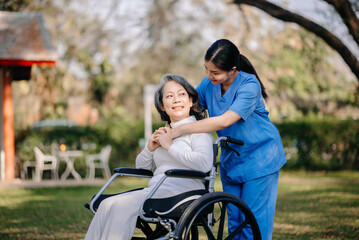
x=234 y=97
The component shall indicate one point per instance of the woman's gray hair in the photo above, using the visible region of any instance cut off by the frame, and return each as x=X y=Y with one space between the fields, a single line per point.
x=196 y=110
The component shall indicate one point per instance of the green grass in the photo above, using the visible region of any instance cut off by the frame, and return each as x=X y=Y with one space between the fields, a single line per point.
x=309 y=206
x=317 y=206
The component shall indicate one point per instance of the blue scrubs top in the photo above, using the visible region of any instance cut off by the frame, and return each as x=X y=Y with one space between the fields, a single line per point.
x=262 y=153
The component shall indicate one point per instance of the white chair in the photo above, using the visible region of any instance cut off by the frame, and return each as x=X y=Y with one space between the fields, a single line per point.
x=43 y=162
x=99 y=160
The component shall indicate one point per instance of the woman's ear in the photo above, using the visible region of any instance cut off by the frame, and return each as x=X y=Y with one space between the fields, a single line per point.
x=191 y=101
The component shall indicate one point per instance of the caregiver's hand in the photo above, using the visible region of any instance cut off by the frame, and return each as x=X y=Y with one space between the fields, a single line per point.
x=164 y=138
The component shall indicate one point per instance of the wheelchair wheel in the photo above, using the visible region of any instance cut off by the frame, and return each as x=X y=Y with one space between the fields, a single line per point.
x=208 y=215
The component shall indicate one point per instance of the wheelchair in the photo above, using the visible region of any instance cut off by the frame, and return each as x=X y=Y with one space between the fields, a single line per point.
x=198 y=214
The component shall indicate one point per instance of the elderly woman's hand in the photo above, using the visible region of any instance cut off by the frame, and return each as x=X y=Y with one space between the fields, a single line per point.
x=153 y=144
x=164 y=137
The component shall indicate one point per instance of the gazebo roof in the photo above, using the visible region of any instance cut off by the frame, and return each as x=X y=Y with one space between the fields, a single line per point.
x=24 y=41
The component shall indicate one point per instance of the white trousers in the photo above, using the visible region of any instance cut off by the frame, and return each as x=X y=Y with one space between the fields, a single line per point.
x=116 y=216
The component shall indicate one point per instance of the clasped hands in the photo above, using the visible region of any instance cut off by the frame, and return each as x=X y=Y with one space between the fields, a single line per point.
x=161 y=137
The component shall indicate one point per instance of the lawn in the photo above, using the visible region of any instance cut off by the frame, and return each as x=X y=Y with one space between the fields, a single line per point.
x=318 y=206
x=309 y=206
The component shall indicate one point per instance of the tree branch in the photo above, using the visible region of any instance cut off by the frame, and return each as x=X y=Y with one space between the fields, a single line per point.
x=345 y=10
x=287 y=16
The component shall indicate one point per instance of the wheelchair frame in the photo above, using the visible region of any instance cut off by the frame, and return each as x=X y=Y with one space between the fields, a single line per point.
x=188 y=221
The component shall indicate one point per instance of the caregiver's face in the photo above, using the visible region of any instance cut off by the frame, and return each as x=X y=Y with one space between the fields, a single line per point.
x=217 y=75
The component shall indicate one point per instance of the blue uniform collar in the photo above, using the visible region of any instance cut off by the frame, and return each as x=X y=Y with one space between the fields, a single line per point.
x=229 y=91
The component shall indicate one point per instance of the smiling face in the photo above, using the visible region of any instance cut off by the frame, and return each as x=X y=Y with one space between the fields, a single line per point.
x=217 y=75
x=176 y=101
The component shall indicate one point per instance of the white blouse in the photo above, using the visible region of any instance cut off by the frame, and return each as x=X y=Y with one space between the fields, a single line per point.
x=189 y=152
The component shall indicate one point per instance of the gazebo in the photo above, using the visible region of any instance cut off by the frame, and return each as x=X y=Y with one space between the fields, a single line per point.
x=24 y=41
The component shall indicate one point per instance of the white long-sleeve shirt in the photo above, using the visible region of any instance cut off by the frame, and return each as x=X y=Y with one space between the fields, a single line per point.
x=189 y=152
x=117 y=215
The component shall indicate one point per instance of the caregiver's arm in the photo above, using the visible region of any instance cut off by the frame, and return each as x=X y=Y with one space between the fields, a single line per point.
x=207 y=124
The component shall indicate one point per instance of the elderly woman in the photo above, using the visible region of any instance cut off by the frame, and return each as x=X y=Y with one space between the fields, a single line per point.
x=177 y=103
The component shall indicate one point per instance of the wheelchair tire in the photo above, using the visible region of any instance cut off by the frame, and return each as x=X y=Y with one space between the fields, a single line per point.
x=213 y=206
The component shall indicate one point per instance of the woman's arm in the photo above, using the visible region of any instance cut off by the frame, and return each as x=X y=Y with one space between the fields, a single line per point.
x=145 y=158
x=207 y=124
x=200 y=157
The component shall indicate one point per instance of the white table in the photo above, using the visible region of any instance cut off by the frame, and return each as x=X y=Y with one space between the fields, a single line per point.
x=69 y=157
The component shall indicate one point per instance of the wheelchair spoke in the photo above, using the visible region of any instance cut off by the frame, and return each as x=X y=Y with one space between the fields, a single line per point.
x=204 y=224
x=194 y=233
x=206 y=227
x=238 y=229
x=215 y=225
x=222 y=221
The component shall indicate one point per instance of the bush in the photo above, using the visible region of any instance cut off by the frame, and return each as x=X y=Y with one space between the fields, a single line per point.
x=309 y=144
x=321 y=144
x=122 y=138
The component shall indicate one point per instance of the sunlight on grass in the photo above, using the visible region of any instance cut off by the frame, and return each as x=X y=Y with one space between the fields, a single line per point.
x=317 y=206
x=309 y=206
x=18 y=197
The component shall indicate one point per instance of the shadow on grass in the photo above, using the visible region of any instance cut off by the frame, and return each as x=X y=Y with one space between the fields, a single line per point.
x=317 y=208
x=51 y=213
x=308 y=207
x=47 y=213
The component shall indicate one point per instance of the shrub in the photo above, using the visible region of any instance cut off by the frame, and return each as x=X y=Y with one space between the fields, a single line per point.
x=329 y=144
x=123 y=139
x=309 y=144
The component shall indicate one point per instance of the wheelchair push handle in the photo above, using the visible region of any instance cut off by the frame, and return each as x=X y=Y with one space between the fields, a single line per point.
x=224 y=144
x=229 y=140
x=235 y=141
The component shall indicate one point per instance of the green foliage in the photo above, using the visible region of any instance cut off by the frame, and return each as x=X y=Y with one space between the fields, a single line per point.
x=304 y=77
x=121 y=135
x=13 y=5
x=49 y=139
x=124 y=133
x=329 y=144
x=310 y=144
x=301 y=73
x=102 y=83
x=100 y=75
x=102 y=65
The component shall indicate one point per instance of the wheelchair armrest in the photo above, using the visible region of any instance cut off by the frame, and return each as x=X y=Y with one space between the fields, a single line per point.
x=186 y=173
x=134 y=171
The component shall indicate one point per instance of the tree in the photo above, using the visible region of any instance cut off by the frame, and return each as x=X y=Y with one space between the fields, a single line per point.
x=107 y=53
x=342 y=7
x=13 y=5
x=299 y=78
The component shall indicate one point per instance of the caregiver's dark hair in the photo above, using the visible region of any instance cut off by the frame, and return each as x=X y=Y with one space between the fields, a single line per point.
x=196 y=110
x=225 y=55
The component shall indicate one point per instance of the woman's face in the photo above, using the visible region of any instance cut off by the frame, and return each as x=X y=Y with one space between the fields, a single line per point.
x=176 y=101
x=217 y=75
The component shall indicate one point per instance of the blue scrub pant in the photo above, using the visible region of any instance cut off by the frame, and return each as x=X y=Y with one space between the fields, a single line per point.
x=260 y=195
